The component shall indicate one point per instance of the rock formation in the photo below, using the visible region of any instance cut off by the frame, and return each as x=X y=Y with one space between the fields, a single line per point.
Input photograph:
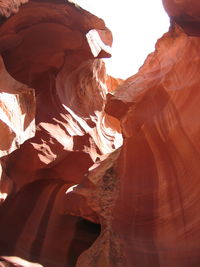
x=17 y=115
x=156 y=215
x=74 y=196
x=54 y=47
x=184 y=13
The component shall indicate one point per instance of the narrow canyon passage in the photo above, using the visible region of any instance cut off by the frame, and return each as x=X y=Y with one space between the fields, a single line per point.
x=96 y=170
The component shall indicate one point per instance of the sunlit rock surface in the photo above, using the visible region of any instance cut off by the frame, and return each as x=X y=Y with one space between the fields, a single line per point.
x=67 y=79
x=74 y=197
x=9 y=7
x=17 y=120
x=55 y=47
x=17 y=112
x=156 y=216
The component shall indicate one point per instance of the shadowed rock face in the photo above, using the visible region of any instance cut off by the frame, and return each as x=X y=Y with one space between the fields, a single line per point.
x=16 y=117
x=34 y=228
x=17 y=120
x=146 y=195
x=185 y=13
x=156 y=215
x=52 y=54
x=54 y=47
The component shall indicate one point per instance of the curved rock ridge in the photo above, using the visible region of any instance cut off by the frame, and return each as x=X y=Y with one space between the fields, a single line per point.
x=75 y=197
x=68 y=82
x=45 y=45
x=65 y=26
x=17 y=120
x=9 y=7
x=185 y=13
x=16 y=261
x=156 y=214
x=72 y=129
x=17 y=112
x=35 y=228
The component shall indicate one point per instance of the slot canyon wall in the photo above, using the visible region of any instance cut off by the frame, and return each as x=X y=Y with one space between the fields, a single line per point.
x=96 y=171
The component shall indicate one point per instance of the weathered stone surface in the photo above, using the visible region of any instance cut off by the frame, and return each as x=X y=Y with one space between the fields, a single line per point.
x=101 y=191
x=146 y=195
x=45 y=45
x=185 y=13
x=9 y=7
x=17 y=112
x=182 y=7
x=34 y=228
x=70 y=120
x=11 y=261
x=17 y=120
x=156 y=215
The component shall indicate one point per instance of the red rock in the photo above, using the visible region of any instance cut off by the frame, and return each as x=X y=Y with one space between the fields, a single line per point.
x=185 y=14
x=16 y=261
x=17 y=120
x=70 y=121
x=182 y=7
x=9 y=7
x=34 y=229
x=112 y=83
x=17 y=112
x=146 y=196
x=45 y=46
x=156 y=218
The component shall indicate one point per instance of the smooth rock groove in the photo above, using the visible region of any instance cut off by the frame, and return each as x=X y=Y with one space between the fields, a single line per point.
x=74 y=198
x=45 y=45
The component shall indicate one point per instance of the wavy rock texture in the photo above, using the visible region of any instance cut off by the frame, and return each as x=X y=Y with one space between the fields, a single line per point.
x=17 y=120
x=17 y=112
x=69 y=178
x=54 y=47
x=9 y=7
x=156 y=215
x=68 y=82
x=185 y=13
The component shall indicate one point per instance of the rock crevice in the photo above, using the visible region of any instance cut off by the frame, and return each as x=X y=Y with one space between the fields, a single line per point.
x=96 y=171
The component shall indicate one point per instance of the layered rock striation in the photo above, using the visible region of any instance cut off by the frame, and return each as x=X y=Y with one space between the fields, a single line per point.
x=184 y=13
x=55 y=47
x=156 y=215
x=75 y=197
x=17 y=120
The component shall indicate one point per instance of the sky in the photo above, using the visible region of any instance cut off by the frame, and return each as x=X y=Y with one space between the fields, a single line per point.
x=136 y=25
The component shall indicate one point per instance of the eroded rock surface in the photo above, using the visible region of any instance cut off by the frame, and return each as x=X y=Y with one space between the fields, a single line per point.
x=17 y=112
x=54 y=47
x=75 y=197
x=156 y=215
x=70 y=120
x=17 y=120
x=185 y=13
